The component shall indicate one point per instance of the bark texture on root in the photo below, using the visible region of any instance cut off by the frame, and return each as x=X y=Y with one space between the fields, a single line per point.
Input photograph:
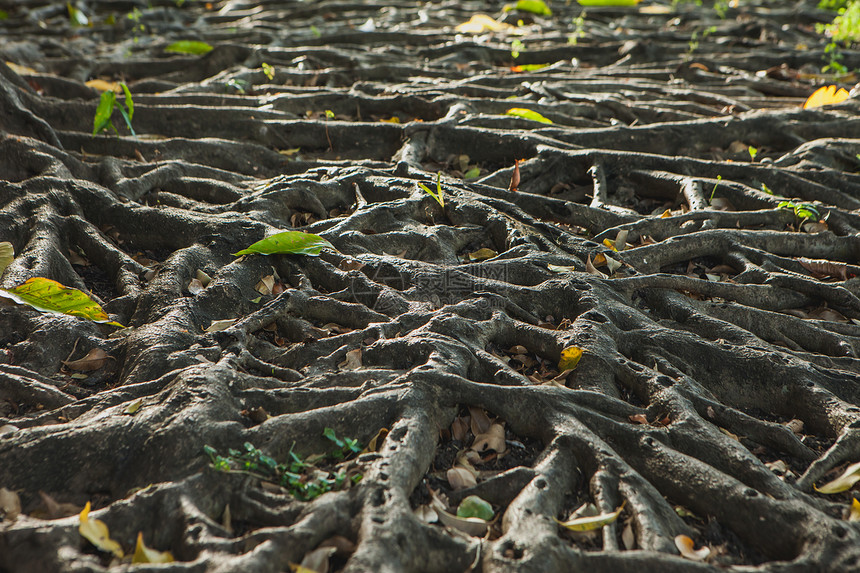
x=728 y=322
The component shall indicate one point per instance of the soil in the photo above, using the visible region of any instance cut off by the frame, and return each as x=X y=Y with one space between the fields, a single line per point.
x=677 y=216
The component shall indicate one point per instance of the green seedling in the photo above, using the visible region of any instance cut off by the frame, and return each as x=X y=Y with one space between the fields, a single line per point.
x=766 y=189
x=438 y=194
x=578 y=29
x=316 y=31
x=845 y=26
x=516 y=47
x=239 y=85
x=714 y=190
x=268 y=70
x=107 y=105
x=300 y=477
x=753 y=151
x=802 y=211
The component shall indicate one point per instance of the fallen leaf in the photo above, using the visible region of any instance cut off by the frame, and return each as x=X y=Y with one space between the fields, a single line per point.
x=7 y=255
x=608 y=2
x=10 y=505
x=22 y=70
x=195 y=286
x=318 y=559
x=778 y=466
x=628 y=538
x=189 y=47
x=52 y=509
x=459 y=427
x=479 y=421
x=795 y=425
x=219 y=325
x=353 y=360
x=203 y=278
x=589 y=267
x=822 y=268
x=470 y=525
x=474 y=506
x=290 y=243
x=343 y=546
x=593 y=522
x=561 y=269
x=8 y=429
x=266 y=285
x=461 y=478
x=143 y=554
x=480 y=23
x=729 y=434
x=844 y=482
x=482 y=254
x=570 y=357
x=375 y=443
x=95 y=359
x=685 y=545
x=613 y=265
x=96 y=532
x=524 y=113
x=825 y=95
x=132 y=408
x=854 y=514
x=46 y=295
x=289 y=152
x=493 y=439
x=426 y=514
x=638 y=418
x=103 y=86
x=538 y=7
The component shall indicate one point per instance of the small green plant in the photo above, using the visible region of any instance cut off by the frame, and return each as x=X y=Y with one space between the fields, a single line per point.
x=107 y=105
x=316 y=31
x=240 y=86
x=833 y=55
x=301 y=477
x=766 y=189
x=721 y=7
x=516 y=47
x=714 y=190
x=845 y=26
x=134 y=16
x=753 y=151
x=694 y=38
x=802 y=211
x=438 y=194
x=833 y=5
x=578 y=29
x=268 y=70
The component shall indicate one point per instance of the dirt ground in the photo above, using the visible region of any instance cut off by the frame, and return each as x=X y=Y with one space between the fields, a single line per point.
x=671 y=212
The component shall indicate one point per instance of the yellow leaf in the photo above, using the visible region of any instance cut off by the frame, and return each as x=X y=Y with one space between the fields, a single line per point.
x=846 y=481
x=482 y=254
x=569 y=358
x=825 y=95
x=480 y=23
x=855 y=510
x=21 y=70
x=610 y=244
x=392 y=119
x=686 y=546
x=132 y=408
x=96 y=532
x=103 y=86
x=143 y=554
x=592 y=522
x=666 y=213
x=289 y=152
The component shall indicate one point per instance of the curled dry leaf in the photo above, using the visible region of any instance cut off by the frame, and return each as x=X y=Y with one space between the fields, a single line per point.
x=569 y=358
x=266 y=285
x=589 y=266
x=844 y=482
x=461 y=478
x=203 y=278
x=515 y=177
x=219 y=325
x=10 y=505
x=143 y=554
x=426 y=514
x=343 y=546
x=613 y=265
x=480 y=422
x=95 y=359
x=482 y=254
x=638 y=418
x=195 y=286
x=686 y=546
x=353 y=360
x=822 y=268
x=854 y=513
x=591 y=522
x=318 y=559
x=628 y=537
x=96 y=532
x=493 y=439
x=459 y=427
x=375 y=443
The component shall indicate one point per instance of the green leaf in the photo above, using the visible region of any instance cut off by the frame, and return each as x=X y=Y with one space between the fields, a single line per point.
x=329 y=114
x=104 y=111
x=4 y=15
x=538 y=7
x=46 y=295
x=7 y=255
x=268 y=70
x=330 y=434
x=129 y=103
x=846 y=481
x=438 y=194
x=76 y=16
x=288 y=243
x=472 y=173
x=474 y=506
x=189 y=47
x=527 y=114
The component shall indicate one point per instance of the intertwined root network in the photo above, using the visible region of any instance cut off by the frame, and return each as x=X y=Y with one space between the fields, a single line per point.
x=658 y=225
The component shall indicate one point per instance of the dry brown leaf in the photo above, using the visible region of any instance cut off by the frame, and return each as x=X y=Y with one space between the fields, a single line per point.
x=686 y=546
x=195 y=286
x=219 y=325
x=318 y=559
x=459 y=427
x=638 y=418
x=592 y=270
x=95 y=359
x=52 y=509
x=352 y=361
x=628 y=538
x=265 y=285
x=426 y=514
x=470 y=525
x=824 y=313
x=795 y=425
x=515 y=177
x=821 y=268
x=482 y=254
x=480 y=422
x=517 y=349
x=493 y=439
x=461 y=478
x=343 y=546
x=375 y=443
x=10 y=505
x=8 y=429
x=350 y=265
